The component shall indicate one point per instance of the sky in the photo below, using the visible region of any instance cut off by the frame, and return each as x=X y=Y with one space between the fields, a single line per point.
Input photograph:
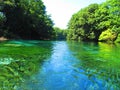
x=62 y=10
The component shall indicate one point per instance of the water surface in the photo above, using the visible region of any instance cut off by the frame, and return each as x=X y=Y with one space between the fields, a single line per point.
x=59 y=65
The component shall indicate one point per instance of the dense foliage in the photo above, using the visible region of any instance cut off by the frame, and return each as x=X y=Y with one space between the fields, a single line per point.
x=25 y=19
x=91 y=21
x=59 y=34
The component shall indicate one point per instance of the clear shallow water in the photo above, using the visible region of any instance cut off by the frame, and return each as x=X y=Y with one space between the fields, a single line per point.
x=59 y=65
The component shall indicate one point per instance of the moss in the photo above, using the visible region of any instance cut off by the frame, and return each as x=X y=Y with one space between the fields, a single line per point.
x=107 y=36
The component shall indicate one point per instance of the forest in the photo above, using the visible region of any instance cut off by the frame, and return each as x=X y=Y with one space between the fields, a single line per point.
x=96 y=22
x=28 y=19
x=24 y=19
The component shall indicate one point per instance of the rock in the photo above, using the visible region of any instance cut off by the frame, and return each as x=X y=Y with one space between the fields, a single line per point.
x=3 y=39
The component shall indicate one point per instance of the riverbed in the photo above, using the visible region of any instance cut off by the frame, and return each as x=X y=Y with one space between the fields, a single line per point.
x=59 y=65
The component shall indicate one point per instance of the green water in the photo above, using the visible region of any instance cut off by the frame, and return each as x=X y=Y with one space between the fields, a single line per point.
x=59 y=65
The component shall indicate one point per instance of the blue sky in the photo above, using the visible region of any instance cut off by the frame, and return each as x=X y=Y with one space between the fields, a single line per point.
x=62 y=10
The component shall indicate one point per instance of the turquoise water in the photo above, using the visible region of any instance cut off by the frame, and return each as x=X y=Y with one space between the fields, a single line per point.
x=59 y=65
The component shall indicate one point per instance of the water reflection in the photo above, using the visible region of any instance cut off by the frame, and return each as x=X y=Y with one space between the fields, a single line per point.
x=56 y=72
x=59 y=65
x=100 y=61
x=80 y=69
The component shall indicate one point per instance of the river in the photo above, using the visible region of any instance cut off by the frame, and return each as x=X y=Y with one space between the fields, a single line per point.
x=59 y=65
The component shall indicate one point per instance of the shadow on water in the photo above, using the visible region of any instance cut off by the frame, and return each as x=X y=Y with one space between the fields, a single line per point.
x=59 y=65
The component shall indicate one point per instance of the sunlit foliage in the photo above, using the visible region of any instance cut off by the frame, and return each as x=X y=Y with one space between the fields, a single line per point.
x=91 y=21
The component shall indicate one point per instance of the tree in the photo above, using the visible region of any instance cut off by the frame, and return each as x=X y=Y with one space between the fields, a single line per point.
x=2 y=20
x=82 y=24
x=108 y=17
x=59 y=34
x=91 y=21
x=27 y=19
x=113 y=6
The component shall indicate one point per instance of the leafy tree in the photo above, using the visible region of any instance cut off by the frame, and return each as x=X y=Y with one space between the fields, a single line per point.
x=108 y=17
x=113 y=6
x=2 y=26
x=59 y=34
x=81 y=23
x=27 y=19
x=91 y=21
